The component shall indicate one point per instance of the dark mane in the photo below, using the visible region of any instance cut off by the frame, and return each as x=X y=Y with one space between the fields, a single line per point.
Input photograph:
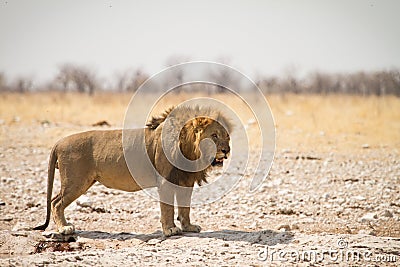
x=157 y=120
x=187 y=113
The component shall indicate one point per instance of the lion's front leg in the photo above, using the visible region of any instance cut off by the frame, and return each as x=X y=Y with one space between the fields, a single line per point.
x=167 y=220
x=184 y=218
x=166 y=192
x=183 y=197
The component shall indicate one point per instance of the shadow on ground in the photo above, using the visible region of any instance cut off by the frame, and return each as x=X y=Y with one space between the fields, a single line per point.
x=264 y=237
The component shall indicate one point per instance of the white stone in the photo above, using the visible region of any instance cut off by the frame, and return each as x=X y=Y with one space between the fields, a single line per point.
x=368 y=217
x=84 y=201
x=284 y=228
x=359 y=198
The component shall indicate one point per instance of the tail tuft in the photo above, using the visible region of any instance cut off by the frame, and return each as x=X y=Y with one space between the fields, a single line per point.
x=41 y=227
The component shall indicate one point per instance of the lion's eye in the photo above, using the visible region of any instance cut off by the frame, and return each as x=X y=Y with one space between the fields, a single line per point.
x=214 y=135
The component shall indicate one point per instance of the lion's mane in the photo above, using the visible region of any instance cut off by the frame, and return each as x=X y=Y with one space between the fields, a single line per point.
x=195 y=119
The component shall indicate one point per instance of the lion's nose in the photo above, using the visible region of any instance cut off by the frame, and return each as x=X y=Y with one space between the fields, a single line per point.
x=225 y=151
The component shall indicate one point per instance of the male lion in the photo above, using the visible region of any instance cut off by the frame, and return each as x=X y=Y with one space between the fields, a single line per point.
x=84 y=158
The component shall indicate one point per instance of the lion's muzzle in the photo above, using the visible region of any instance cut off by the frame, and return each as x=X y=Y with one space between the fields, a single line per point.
x=220 y=157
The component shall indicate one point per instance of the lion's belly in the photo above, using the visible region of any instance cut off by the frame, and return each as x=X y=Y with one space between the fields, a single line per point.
x=125 y=183
x=110 y=166
x=115 y=174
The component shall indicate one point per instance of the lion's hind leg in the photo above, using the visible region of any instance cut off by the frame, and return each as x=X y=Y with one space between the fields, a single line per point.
x=68 y=193
x=57 y=209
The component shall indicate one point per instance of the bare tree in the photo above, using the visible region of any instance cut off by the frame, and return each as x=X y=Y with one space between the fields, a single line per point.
x=225 y=77
x=121 y=81
x=23 y=84
x=290 y=82
x=77 y=78
x=269 y=85
x=139 y=78
x=3 y=82
x=177 y=76
x=64 y=76
x=129 y=81
x=396 y=80
x=392 y=82
x=323 y=83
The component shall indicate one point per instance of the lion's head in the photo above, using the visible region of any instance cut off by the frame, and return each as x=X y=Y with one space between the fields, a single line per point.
x=198 y=124
x=206 y=127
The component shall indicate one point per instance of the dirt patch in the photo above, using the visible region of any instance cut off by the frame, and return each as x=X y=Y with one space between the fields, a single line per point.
x=325 y=191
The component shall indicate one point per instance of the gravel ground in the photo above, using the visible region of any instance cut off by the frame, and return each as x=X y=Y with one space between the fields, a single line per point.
x=326 y=205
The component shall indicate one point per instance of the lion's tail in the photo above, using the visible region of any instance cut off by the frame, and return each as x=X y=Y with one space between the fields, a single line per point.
x=50 y=181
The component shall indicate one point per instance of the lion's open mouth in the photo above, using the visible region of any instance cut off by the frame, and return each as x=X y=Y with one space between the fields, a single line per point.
x=217 y=162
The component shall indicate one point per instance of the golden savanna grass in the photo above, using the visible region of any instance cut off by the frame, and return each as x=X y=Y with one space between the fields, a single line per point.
x=333 y=123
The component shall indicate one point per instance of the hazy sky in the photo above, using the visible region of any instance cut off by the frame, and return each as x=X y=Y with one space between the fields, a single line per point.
x=257 y=37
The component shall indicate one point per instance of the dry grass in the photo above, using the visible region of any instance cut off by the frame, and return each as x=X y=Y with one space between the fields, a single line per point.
x=71 y=108
x=336 y=123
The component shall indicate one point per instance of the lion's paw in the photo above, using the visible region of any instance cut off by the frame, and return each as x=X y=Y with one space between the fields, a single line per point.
x=67 y=229
x=172 y=231
x=191 y=228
